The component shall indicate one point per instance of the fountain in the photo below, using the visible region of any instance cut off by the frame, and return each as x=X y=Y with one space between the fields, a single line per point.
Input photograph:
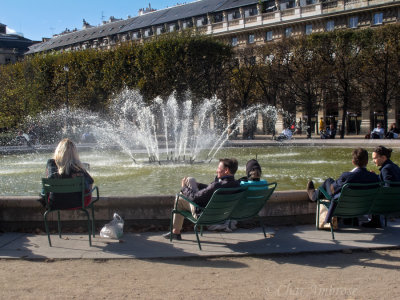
x=169 y=132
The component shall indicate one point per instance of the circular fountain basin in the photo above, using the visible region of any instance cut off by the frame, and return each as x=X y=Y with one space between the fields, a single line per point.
x=117 y=174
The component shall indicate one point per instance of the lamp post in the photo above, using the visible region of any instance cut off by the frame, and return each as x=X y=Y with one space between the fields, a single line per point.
x=66 y=69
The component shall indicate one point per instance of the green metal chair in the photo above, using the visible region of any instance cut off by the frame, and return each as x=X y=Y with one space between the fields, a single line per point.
x=355 y=200
x=68 y=194
x=249 y=206
x=218 y=209
x=387 y=201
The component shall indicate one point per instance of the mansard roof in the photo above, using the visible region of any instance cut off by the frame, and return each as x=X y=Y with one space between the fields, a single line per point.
x=11 y=41
x=158 y=17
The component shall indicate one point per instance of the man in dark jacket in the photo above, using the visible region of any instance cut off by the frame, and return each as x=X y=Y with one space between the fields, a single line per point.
x=201 y=193
x=389 y=172
x=358 y=175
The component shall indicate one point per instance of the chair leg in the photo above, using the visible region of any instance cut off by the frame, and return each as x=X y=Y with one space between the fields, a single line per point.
x=317 y=217
x=333 y=235
x=201 y=230
x=59 y=223
x=262 y=226
x=170 y=225
x=197 y=236
x=47 y=226
x=93 y=222
x=89 y=226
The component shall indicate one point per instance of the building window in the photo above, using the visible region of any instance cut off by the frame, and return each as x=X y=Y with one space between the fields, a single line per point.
x=251 y=38
x=288 y=32
x=308 y=29
x=250 y=12
x=218 y=17
x=236 y=15
x=330 y=25
x=201 y=22
x=172 y=27
x=353 y=22
x=268 y=36
x=378 y=18
x=234 y=41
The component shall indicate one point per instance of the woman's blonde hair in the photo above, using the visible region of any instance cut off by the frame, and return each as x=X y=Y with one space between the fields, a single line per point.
x=66 y=157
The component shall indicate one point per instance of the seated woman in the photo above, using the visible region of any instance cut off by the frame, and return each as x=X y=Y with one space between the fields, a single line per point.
x=393 y=132
x=66 y=164
x=253 y=171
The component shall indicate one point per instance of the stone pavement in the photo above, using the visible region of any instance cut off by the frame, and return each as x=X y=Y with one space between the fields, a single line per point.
x=280 y=240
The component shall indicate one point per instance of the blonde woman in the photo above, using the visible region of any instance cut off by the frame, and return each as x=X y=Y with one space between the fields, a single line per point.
x=66 y=164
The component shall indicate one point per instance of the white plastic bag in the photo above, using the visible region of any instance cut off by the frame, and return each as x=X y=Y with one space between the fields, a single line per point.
x=113 y=229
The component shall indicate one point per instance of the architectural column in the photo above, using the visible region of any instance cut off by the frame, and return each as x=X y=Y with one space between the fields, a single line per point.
x=209 y=23
x=392 y=115
x=241 y=21
x=260 y=123
x=225 y=19
x=299 y=117
x=365 y=126
x=279 y=124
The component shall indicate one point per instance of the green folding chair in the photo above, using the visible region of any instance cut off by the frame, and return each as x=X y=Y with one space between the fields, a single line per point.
x=68 y=194
x=256 y=198
x=218 y=209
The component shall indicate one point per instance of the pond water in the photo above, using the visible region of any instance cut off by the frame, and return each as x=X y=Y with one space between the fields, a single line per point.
x=117 y=175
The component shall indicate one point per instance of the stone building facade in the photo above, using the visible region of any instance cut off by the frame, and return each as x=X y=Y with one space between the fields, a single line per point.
x=243 y=23
x=12 y=46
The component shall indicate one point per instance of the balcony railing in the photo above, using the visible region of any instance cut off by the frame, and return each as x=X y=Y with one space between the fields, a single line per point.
x=269 y=16
x=308 y=8
x=288 y=12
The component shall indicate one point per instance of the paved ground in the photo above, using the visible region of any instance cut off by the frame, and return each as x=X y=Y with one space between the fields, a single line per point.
x=280 y=240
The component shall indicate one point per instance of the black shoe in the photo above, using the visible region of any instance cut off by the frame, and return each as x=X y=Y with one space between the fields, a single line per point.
x=372 y=224
x=174 y=236
x=311 y=191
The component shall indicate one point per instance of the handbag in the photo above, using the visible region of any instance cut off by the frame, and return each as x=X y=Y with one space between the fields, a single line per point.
x=323 y=211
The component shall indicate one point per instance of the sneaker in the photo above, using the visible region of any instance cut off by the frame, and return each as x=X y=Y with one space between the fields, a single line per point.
x=174 y=236
x=311 y=191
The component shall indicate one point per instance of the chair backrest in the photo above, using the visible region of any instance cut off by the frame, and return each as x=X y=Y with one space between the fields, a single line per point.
x=64 y=193
x=356 y=199
x=387 y=200
x=256 y=197
x=221 y=204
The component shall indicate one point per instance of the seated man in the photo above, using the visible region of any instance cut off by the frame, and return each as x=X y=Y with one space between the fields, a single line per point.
x=378 y=132
x=333 y=187
x=285 y=135
x=329 y=133
x=201 y=193
x=389 y=171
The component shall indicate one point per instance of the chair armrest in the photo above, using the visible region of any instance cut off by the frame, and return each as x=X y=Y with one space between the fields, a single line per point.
x=186 y=199
x=95 y=188
x=325 y=193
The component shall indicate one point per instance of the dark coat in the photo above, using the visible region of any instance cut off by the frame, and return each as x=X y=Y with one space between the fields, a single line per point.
x=389 y=171
x=358 y=175
x=203 y=196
